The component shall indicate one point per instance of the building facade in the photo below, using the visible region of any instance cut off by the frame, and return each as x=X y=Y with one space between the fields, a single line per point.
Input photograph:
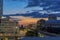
x=52 y=21
x=51 y=25
x=8 y=26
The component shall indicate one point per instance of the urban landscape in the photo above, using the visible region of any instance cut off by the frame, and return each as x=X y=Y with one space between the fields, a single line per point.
x=29 y=19
x=12 y=29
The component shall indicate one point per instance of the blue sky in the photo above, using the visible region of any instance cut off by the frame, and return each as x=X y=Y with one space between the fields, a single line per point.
x=17 y=6
x=12 y=7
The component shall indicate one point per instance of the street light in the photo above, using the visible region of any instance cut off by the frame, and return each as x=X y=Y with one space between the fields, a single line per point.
x=17 y=29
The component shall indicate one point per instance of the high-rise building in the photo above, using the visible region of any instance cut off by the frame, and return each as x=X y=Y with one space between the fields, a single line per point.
x=52 y=17
x=1 y=9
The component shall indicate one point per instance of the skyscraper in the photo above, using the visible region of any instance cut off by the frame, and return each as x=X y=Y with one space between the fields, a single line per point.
x=52 y=17
x=1 y=9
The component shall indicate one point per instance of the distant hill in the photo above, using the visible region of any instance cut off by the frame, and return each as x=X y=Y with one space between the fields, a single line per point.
x=33 y=14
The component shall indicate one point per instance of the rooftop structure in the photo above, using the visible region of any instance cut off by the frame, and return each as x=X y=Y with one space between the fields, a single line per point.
x=52 y=17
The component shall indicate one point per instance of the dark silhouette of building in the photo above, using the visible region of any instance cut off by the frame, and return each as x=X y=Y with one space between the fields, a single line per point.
x=52 y=21
x=0 y=20
x=52 y=25
x=1 y=9
x=52 y=17
x=21 y=27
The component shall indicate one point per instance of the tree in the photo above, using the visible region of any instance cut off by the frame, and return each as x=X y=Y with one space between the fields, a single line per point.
x=40 y=24
x=32 y=33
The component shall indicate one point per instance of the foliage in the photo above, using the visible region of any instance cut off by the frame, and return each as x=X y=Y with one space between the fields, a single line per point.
x=32 y=33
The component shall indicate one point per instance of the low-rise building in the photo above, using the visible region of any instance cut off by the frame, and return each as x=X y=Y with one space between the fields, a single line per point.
x=8 y=25
x=52 y=21
x=51 y=25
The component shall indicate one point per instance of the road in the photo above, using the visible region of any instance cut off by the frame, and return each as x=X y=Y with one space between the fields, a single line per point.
x=47 y=33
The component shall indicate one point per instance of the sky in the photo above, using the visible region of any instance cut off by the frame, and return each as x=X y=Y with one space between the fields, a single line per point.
x=20 y=6
x=12 y=7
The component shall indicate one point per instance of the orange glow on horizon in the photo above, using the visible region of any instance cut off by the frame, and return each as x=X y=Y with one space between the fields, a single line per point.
x=27 y=20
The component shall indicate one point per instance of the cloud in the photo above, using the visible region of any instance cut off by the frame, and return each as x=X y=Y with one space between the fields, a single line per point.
x=15 y=0
x=38 y=9
x=55 y=12
x=30 y=9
